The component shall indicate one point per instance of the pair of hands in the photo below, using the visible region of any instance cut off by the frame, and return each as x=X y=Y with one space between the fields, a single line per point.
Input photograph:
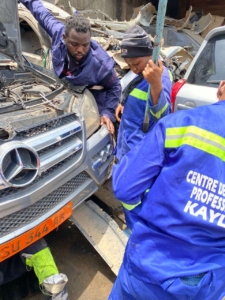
x=153 y=75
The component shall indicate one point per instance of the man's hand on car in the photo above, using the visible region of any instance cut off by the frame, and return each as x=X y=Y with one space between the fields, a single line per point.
x=108 y=122
x=119 y=111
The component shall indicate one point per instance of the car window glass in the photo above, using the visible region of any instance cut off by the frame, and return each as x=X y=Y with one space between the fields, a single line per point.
x=209 y=68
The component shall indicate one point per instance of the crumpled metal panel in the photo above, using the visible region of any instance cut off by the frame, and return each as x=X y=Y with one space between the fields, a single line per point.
x=144 y=17
x=147 y=14
x=179 y=23
x=202 y=24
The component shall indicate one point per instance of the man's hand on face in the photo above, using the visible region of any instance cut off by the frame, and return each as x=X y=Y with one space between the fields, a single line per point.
x=119 y=111
x=108 y=122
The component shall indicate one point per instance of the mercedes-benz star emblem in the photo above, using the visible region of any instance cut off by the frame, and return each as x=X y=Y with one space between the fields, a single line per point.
x=19 y=164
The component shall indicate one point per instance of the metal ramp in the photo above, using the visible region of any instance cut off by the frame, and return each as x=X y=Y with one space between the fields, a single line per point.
x=102 y=232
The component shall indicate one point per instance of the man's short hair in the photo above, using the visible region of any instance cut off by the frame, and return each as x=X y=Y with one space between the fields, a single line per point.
x=77 y=22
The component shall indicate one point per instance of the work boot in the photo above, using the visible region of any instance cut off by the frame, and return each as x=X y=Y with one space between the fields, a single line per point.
x=55 y=286
x=63 y=295
x=51 y=282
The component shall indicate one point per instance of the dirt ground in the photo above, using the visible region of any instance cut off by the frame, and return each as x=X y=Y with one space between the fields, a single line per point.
x=89 y=276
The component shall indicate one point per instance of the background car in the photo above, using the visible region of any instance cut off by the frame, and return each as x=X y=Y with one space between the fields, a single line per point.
x=199 y=84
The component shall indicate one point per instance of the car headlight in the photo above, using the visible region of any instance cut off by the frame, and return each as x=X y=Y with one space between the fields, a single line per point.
x=89 y=111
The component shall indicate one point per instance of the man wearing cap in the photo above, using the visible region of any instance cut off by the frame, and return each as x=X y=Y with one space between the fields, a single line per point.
x=136 y=49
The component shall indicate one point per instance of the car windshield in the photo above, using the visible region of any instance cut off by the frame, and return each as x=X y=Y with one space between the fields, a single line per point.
x=209 y=68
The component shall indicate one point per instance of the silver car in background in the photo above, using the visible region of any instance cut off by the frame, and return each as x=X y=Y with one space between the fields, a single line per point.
x=199 y=84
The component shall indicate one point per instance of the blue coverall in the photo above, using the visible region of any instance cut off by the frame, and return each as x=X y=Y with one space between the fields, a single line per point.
x=177 y=246
x=130 y=130
x=95 y=69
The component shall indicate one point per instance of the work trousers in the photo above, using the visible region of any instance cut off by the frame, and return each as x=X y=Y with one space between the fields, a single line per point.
x=207 y=286
x=15 y=266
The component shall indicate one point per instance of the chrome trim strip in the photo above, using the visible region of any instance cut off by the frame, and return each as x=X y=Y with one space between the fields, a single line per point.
x=60 y=153
x=53 y=136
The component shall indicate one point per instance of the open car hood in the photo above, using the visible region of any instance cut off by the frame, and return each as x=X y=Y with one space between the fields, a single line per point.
x=10 y=42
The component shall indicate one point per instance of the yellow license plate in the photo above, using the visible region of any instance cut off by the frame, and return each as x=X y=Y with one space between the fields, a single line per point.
x=14 y=246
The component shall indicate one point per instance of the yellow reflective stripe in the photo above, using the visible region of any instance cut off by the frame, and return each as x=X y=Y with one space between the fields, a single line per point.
x=171 y=75
x=139 y=94
x=130 y=207
x=196 y=137
x=159 y=113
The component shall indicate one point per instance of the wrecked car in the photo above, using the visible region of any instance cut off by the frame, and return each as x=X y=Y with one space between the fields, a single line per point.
x=53 y=153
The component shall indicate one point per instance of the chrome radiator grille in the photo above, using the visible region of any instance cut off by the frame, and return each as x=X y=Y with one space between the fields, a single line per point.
x=44 y=127
x=23 y=217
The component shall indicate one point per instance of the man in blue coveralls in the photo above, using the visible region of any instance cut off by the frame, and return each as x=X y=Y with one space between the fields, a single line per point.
x=177 y=246
x=80 y=60
x=153 y=84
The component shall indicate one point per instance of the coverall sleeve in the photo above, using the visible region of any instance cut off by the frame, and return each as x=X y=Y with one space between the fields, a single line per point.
x=163 y=106
x=52 y=26
x=138 y=169
x=112 y=86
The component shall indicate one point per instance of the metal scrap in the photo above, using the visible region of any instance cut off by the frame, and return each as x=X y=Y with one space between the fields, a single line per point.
x=110 y=33
x=202 y=24
x=177 y=60
x=180 y=24
x=146 y=14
